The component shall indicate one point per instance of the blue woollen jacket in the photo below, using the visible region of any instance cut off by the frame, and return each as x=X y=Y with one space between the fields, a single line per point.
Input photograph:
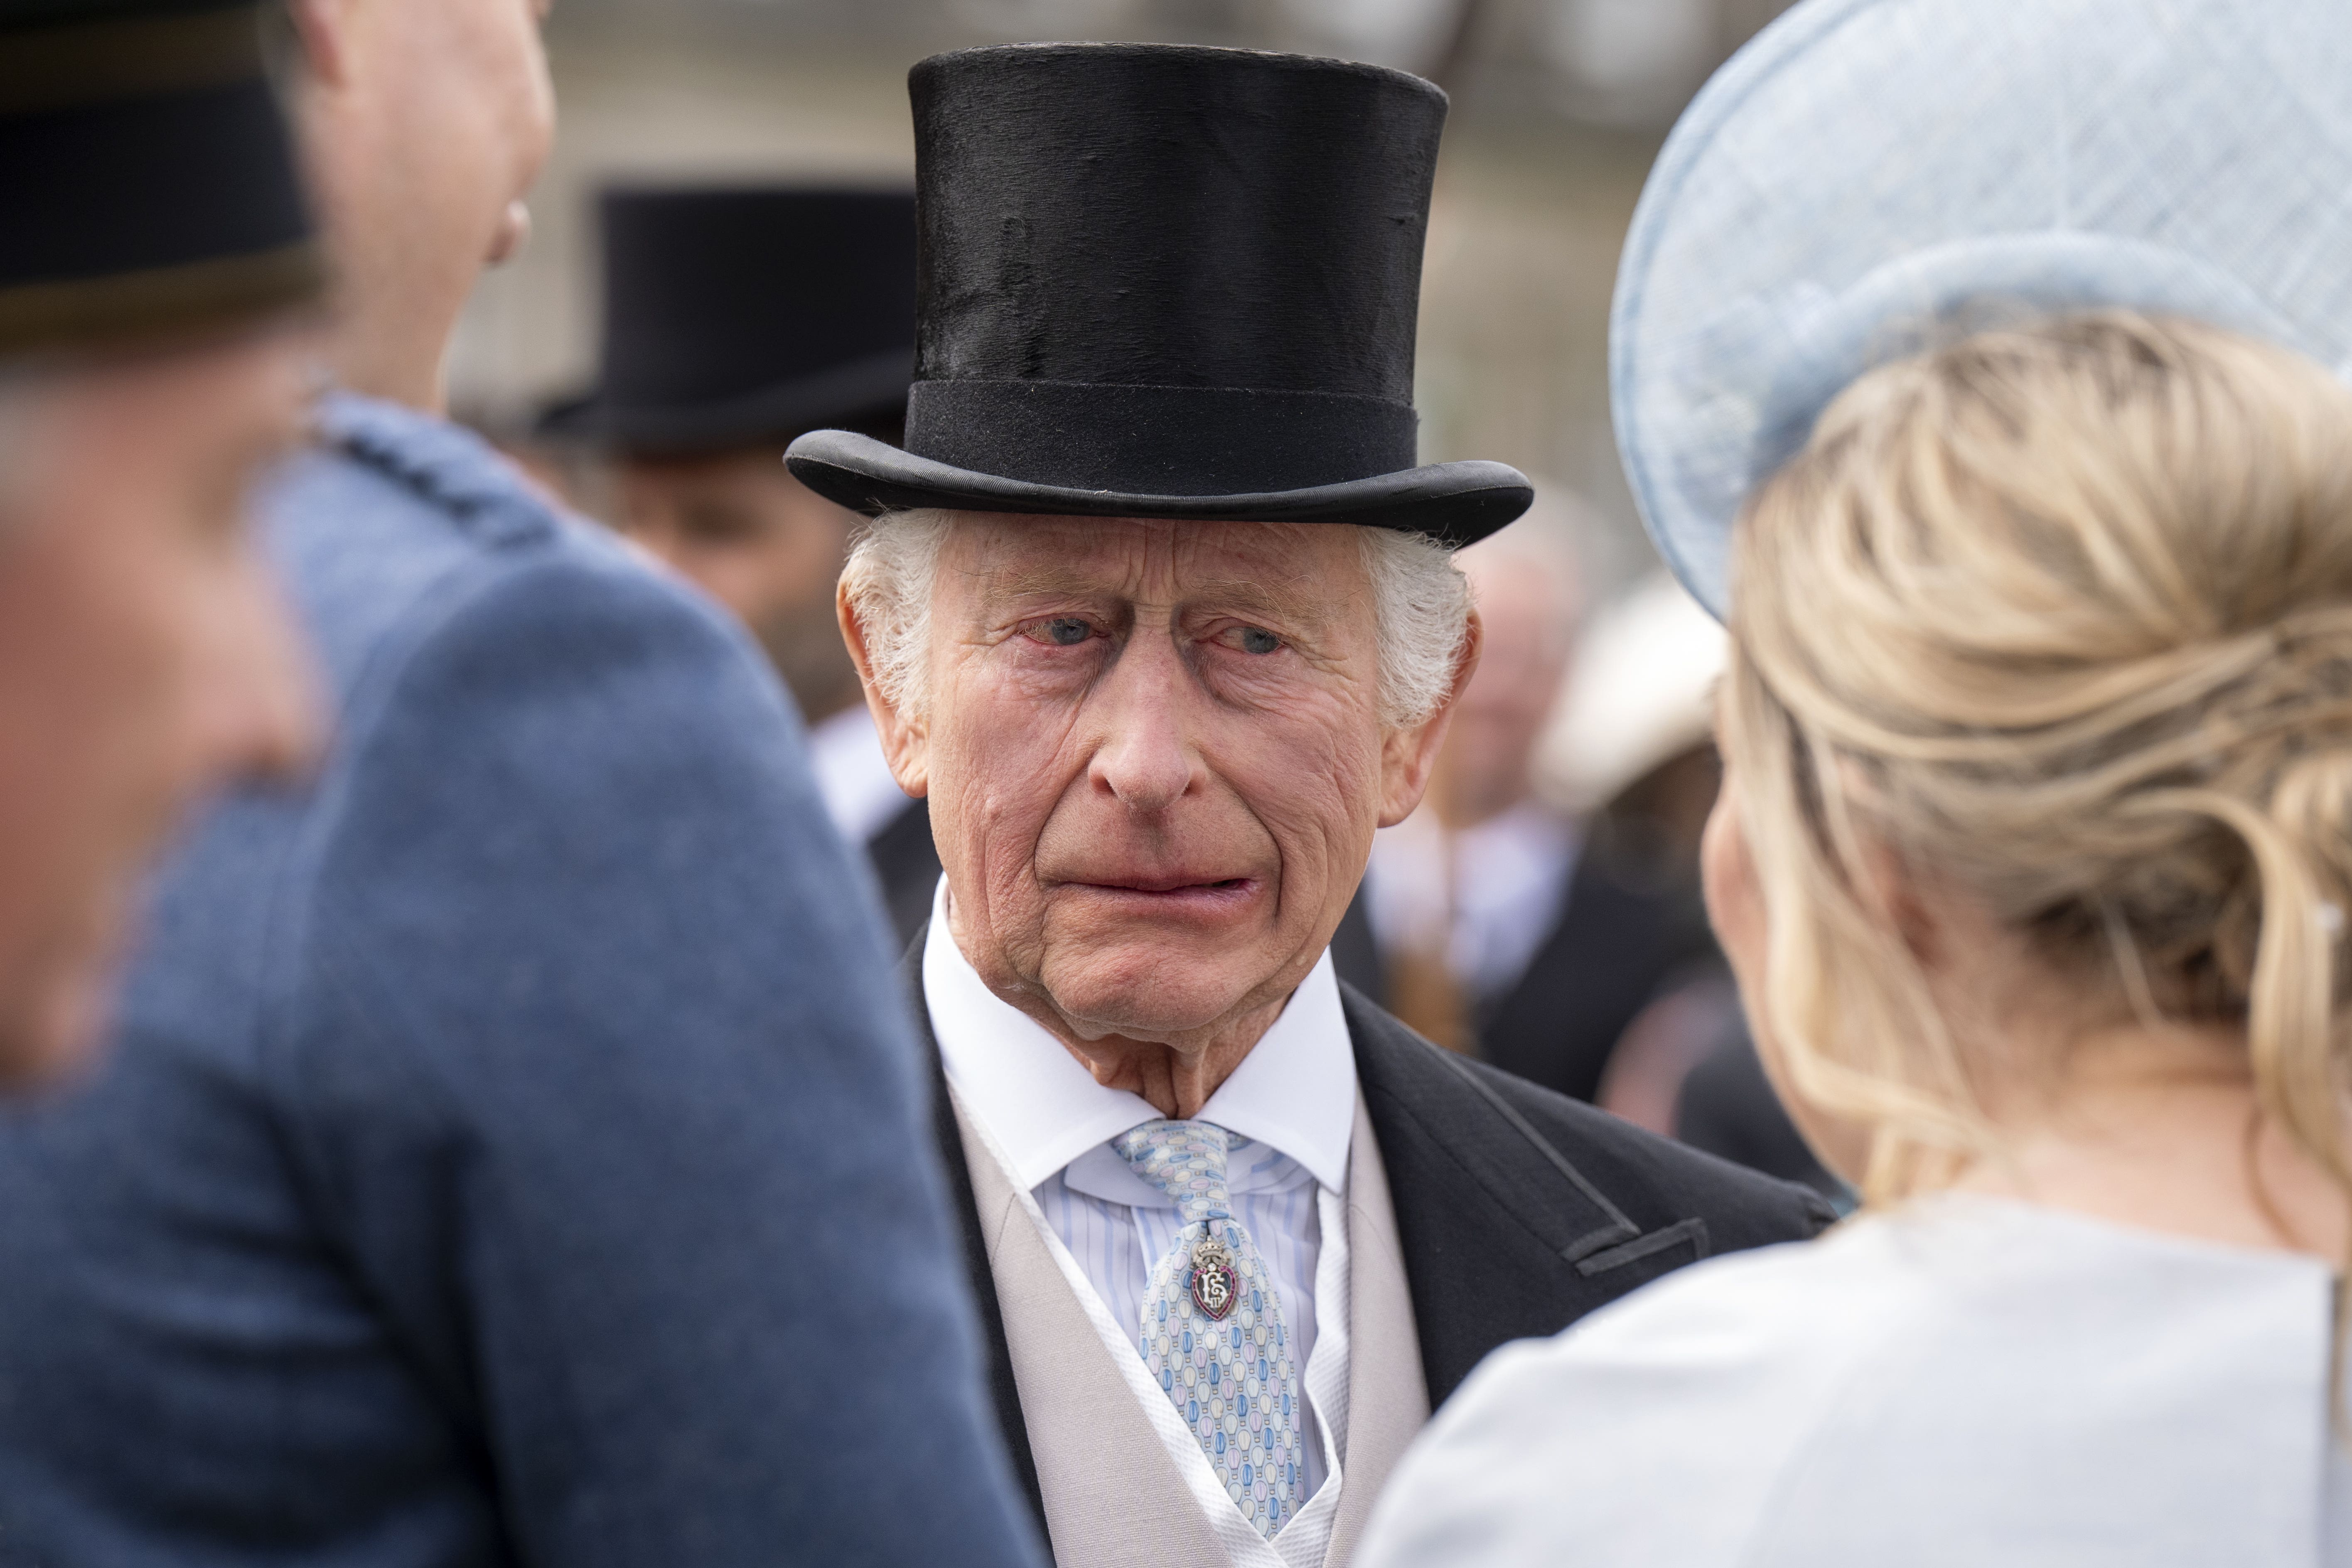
x=513 y=1150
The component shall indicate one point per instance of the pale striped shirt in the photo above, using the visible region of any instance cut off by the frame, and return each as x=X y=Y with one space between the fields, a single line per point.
x=1119 y=1227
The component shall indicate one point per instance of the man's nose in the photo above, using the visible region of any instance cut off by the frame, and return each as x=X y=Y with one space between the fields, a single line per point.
x=1146 y=760
x=263 y=716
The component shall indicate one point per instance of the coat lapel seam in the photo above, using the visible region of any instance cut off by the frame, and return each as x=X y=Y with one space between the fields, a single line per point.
x=1618 y=1241
x=1692 y=1230
x=1400 y=1108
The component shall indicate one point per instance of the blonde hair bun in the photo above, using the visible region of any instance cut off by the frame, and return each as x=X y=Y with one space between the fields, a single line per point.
x=2063 y=614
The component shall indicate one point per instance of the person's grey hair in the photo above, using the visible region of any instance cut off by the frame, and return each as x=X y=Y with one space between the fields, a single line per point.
x=1421 y=608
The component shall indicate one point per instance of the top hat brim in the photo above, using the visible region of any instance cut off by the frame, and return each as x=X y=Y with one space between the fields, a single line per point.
x=873 y=385
x=1454 y=503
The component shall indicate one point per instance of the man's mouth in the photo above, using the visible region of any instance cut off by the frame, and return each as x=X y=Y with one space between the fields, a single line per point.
x=1174 y=884
x=1173 y=893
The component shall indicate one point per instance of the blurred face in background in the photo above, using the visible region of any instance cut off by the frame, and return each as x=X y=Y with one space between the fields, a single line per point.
x=763 y=544
x=145 y=656
x=1527 y=604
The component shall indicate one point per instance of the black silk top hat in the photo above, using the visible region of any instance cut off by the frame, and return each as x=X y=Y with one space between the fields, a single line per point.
x=737 y=314
x=148 y=185
x=1171 y=282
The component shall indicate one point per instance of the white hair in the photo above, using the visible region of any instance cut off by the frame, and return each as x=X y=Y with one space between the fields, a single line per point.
x=1421 y=605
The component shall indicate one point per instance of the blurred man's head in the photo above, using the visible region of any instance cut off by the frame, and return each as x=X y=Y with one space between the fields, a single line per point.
x=1529 y=597
x=734 y=318
x=426 y=121
x=148 y=368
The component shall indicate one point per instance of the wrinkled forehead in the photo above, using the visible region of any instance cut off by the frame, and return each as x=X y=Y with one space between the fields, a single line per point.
x=1314 y=569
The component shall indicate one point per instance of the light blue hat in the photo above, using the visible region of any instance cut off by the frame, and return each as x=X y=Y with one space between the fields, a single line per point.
x=1869 y=170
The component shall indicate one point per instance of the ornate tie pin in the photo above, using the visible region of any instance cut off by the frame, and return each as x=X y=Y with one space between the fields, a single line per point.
x=1215 y=1285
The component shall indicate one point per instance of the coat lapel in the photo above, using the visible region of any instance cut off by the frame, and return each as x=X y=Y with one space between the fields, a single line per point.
x=1503 y=1235
x=1004 y=1391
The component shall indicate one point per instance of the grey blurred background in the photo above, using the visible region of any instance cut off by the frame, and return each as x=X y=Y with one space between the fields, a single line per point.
x=1558 y=108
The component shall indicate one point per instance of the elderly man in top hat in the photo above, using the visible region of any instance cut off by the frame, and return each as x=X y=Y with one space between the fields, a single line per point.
x=147 y=365
x=1159 y=613
x=511 y=1151
x=736 y=317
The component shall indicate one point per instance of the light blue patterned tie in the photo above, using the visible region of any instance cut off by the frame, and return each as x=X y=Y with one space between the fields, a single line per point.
x=1212 y=1330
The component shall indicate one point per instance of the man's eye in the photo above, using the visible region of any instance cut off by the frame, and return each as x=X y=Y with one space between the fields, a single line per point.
x=1063 y=631
x=1258 y=639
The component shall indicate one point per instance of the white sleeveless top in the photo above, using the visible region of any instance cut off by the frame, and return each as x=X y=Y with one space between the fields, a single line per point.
x=1965 y=1382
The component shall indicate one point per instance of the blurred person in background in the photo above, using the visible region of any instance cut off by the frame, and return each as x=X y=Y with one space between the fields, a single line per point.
x=512 y=1147
x=1532 y=909
x=1631 y=749
x=2036 y=840
x=735 y=319
x=1468 y=895
x=1635 y=735
x=1159 y=614
x=149 y=364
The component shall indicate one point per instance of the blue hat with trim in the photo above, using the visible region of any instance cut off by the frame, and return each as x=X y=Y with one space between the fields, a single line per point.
x=1869 y=173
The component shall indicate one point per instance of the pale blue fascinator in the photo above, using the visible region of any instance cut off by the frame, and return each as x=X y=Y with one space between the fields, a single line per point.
x=1868 y=173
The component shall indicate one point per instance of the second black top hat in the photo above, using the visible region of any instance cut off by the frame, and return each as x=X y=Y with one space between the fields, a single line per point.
x=1167 y=281
x=734 y=314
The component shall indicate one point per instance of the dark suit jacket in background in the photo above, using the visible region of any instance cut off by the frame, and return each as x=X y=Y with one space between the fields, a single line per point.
x=907 y=864
x=1728 y=1107
x=1621 y=935
x=513 y=1149
x=1520 y=1210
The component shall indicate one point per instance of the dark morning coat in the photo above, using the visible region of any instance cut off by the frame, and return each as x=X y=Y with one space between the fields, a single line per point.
x=1520 y=1210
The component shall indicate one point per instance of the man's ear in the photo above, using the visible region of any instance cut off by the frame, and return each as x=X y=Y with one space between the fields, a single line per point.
x=321 y=26
x=905 y=739
x=1409 y=756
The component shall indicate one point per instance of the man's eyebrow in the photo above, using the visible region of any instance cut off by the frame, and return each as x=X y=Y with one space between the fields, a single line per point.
x=1023 y=582
x=1242 y=595
x=1247 y=597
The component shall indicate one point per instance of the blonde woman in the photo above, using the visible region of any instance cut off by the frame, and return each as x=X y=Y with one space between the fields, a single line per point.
x=2036 y=841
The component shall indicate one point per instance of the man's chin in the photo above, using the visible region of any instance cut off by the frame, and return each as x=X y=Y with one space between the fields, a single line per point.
x=1149 y=990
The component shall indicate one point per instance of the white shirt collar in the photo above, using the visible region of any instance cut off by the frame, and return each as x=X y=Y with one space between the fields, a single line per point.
x=853 y=775
x=1295 y=1091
